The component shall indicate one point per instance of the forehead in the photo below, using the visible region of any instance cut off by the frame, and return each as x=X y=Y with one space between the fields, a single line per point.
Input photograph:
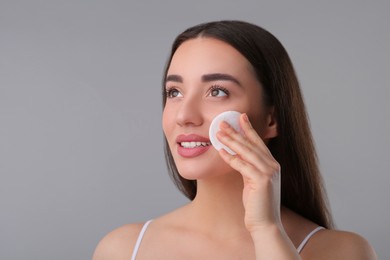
x=208 y=55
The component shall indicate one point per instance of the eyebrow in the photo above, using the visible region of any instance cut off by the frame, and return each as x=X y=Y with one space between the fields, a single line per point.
x=206 y=78
x=174 y=78
x=220 y=76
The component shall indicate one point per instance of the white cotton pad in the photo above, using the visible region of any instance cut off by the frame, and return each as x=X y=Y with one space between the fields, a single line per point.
x=232 y=118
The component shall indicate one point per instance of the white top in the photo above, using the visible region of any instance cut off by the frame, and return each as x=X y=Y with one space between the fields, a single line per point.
x=306 y=239
x=139 y=239
x=143 y=230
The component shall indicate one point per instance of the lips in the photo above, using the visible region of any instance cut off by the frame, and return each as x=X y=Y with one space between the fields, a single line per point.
x=192 y=145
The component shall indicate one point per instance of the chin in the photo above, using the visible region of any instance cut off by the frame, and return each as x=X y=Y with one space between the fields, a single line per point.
x=202 y=168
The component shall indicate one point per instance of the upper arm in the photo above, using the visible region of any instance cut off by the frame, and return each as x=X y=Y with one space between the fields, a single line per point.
x=334 y=245
x=356 y=247
x=118 y=244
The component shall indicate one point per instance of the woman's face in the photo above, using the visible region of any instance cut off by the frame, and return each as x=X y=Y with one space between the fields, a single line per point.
x=206 y=77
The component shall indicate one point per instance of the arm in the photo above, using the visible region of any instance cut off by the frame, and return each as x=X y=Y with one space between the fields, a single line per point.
x=261 y=194
x=273 y=243
x=117 y=244
x=334 y=244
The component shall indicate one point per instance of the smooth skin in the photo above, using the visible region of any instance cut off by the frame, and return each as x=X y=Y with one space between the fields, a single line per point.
x=236 y=213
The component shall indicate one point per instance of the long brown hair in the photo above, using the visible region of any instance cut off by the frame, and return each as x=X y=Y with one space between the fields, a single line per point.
x=302 y=186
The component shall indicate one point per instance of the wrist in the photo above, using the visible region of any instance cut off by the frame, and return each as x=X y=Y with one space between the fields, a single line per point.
x=272 y=240
x=266 y=231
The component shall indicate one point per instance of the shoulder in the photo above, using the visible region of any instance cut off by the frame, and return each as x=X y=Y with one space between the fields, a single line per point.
x=119 y=243
x=334 y=244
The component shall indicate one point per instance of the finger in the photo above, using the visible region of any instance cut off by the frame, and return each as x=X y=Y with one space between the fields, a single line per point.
x=236 y=142
x=228 y=130
x=242 y=146
x=247 y=170
x=251 y=133
x=248 y=158
x=250 y=137
x=243 y=167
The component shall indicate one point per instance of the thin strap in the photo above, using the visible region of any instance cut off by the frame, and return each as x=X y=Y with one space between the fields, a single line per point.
x=304 y=242
x=139 y=239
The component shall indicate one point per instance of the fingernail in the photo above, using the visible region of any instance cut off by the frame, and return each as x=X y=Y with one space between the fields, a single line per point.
x=246 y=119
x=224 y=124
x=221 y=134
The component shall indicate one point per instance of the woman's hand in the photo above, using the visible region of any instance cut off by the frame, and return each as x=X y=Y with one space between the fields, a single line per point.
x=261 y=194
x=260 y=172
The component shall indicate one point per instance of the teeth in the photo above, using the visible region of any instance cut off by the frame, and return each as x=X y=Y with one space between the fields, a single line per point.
x=194 y=144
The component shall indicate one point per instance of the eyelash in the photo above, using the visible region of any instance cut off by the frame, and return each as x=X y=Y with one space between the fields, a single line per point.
x=217 y=87
x=169 y=90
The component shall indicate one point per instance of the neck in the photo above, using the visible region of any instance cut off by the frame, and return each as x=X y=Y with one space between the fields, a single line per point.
x=218 y=204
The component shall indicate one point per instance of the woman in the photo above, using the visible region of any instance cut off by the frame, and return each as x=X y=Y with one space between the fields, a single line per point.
x=265 y=202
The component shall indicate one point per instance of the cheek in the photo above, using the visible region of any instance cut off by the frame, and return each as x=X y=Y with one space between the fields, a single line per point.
x=257 y=117
x=167 y=120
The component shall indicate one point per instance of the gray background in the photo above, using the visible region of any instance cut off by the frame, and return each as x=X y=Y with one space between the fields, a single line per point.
x=80 y=129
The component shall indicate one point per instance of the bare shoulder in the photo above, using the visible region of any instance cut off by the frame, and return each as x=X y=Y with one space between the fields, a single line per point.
x=118 y=244
x=334 y=244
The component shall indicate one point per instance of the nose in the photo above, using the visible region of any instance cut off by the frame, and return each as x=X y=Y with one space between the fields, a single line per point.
x=190 y=112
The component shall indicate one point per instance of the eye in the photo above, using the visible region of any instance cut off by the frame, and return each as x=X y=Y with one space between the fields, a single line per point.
x=217 y=91
x=172 y=93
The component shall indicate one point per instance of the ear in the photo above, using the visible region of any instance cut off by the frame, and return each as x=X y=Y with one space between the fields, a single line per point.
x=271 y=126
